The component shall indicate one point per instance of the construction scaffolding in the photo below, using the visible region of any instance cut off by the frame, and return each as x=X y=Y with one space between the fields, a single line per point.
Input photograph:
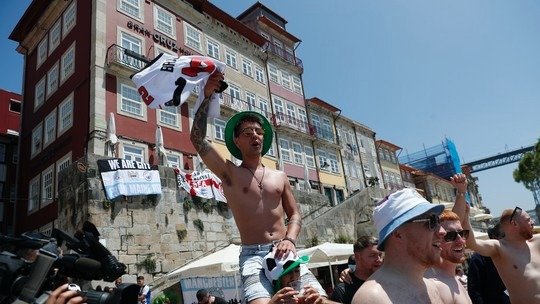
x=441 y=160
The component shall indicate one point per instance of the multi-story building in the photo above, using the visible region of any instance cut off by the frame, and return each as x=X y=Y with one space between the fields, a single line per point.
x=389 y=165
x=10 y=111
x=78 y=59
x=327 y=149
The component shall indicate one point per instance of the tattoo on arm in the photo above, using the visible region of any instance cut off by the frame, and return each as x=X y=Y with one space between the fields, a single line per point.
x=198 y=131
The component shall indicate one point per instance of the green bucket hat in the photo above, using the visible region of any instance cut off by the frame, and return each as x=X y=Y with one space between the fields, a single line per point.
x=275 y=269
x=233 y=122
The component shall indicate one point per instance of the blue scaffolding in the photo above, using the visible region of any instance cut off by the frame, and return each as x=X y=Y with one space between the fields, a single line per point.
x=441 y=160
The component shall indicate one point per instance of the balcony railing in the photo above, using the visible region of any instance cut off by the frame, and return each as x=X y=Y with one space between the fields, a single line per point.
x=282 y=119
x=285 y=55
x=122 y=56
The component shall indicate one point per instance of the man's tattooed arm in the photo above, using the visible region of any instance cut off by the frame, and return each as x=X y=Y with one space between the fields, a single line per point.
x=198 y=131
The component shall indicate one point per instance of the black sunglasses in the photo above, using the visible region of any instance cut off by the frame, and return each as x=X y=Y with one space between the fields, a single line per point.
x=517 y=211
x=452 y=235
x=432 y=221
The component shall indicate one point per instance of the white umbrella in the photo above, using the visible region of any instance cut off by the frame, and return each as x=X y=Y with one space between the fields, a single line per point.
x=327 y=254
x=224 y=261
x=162 y=154
x=112 y=139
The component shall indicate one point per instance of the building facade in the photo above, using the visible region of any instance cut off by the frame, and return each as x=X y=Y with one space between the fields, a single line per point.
x=389 y=165
x=10 y=111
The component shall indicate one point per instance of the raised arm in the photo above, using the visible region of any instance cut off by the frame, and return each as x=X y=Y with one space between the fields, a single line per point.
x=211 y=158
x=459 y=181
x=488 y=248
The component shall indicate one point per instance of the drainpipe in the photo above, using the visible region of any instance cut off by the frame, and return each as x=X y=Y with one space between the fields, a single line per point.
x=360 y=157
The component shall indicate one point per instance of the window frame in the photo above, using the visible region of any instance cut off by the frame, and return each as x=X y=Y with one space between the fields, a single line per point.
x=34 y=198
x=49 y=171
x=187 y=37
x=232 y=56
x=259 y=74
x=42 y=51
x=175 y=118
x=56 y=29
x=38 y=102
x=69 y=24
x=37 y=134
x=219 y=129
x=61 y=128
x=247 y=67
x=52 y=85
x=134 y=101
x=47 y=125
x=58 y=165
x=157 y=10
x=285 y=152
x=213 y=47
x=135 y=147
x=140 y=9
x=69 y=53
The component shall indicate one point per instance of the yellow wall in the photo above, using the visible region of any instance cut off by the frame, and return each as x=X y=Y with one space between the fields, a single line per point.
x=332 y=179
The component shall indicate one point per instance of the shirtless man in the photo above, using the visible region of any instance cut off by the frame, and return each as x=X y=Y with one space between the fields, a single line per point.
x=516 y=256
x=259 y=197
x=410 y=236
x=453 y=254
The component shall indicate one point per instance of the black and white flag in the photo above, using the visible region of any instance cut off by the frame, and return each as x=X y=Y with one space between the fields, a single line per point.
x=129 y=178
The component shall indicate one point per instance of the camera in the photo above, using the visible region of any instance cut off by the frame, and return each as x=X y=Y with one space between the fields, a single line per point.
x=36 y=267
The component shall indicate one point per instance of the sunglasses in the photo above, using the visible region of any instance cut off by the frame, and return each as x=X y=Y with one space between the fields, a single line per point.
x=249 y=131
x=517 y=211
x=452 y=235
x=432 y=221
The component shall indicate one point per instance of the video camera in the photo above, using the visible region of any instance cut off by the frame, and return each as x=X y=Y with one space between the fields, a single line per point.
x=27 y=278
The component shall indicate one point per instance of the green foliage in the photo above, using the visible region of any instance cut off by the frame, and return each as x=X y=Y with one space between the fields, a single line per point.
x=188 y=204
x=207 y=206
x=166 y=297
x=528 y=172
x=199 y=225
x=311 y=242
x=181 y=233
x=148 y=264
x=343 y=239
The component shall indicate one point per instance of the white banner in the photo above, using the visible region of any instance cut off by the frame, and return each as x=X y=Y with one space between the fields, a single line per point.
x=203 y=184
x=126 y=177
x=226 y=287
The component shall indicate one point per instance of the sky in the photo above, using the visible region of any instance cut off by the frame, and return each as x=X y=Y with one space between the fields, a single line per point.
x=415 y=72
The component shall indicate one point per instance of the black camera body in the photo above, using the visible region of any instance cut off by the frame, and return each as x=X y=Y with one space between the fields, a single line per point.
x=23 y=281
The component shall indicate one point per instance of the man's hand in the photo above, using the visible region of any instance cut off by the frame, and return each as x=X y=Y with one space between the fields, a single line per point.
x=283 y=248
x=285 y=295
x=213 y=84
x=346 y=276
x=459 y=181
x=62 y=295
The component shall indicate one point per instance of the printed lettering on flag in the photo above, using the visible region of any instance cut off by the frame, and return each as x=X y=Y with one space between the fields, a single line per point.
x=129 y=178
x=203 y=184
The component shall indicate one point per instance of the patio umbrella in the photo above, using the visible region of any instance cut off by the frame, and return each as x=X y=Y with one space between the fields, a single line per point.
x=112 y=139
x=162 y=154
x=327 y=254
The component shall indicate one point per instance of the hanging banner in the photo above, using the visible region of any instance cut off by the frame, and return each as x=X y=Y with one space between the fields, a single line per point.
x=226 y=287
x=129 y=178
x=203 y=184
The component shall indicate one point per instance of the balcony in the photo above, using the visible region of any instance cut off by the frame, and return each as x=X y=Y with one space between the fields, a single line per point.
x=280 y=52
x=123 y=60
x=282 y=119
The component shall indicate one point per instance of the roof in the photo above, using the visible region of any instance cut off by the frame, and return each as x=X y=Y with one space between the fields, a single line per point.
x=388 y=144
x=29 y=20
x=323 y=104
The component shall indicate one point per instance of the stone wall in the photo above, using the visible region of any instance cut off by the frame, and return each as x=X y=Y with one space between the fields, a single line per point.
x=154 y=235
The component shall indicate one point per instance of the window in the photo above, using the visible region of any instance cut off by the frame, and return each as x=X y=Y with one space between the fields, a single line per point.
x=273 y=71
x=315 y=120
x=68 y=63
x=50 y=128
x=69 y=18
x=133 y=153
x=54 y=36
x=286 y=80
x=173 y=161
x=230 y=58
x=323 y=163
x=65 y=115
x=130 y=101
x=278 y=108
x=333 y=161
x=302 y=119
x=297 y=153
x=52 y=80
x=246 y=67
x=39 y=97
x=297 y=85
x=36 y=140
x=327 y=130
x=131 y=7
x=33 y=194
x=219 y=129
x=15 y=106
x=212 y=48
x=259 y=74
x=47 y=186
x=250 y=98
x=164 y=21
x=310 y=159
x=284 y=149
x=134 y=44
x=234 y=91
x=291 y=114
x=278 y=47
x=271 y=151
x=193 y=37
x=263 y=106
x=265 y=36
x=42 y=52
x=62 y=164
x=169 y=116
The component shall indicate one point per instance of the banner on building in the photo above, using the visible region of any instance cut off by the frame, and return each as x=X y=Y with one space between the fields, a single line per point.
x=203 y=184
x=226 y=287
x=129 y=178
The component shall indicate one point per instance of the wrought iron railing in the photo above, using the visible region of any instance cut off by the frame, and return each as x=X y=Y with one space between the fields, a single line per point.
x=285 y=55
x=119 y=55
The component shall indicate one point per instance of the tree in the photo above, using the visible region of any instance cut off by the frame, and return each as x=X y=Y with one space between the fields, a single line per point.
x=528 y=173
